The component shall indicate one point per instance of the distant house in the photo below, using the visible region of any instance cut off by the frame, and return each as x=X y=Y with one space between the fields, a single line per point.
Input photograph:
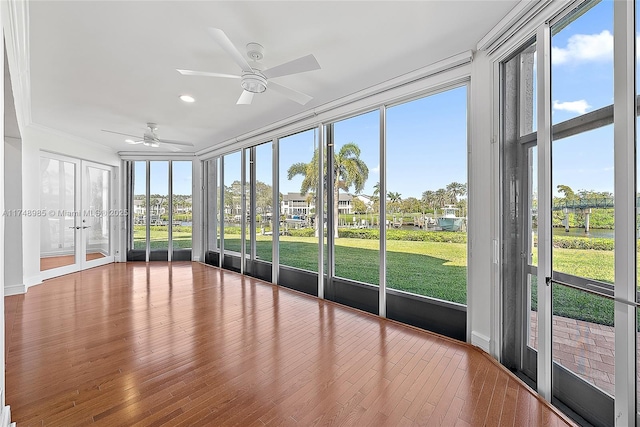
x=295 y=204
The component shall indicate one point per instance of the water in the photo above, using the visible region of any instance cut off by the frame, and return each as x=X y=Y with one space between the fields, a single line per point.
x=579 y=232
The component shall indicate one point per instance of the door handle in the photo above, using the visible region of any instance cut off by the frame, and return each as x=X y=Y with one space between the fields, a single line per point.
x=86 y=226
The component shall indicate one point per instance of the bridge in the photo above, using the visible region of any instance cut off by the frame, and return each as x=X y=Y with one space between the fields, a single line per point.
x=583 y=205
x=591 y=203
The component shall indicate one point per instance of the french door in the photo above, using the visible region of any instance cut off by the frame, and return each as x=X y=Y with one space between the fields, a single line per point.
x=77 y=215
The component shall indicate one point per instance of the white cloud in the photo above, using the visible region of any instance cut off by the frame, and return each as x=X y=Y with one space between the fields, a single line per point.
x=375 y=170
x=584 y=47
x=579 y=107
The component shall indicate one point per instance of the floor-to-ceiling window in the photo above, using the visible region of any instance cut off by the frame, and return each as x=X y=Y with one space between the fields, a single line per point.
x=266 y=211
x=298 y=167
x=426 y=196
x=181 y=207
x=160 y=206
x=356 y=201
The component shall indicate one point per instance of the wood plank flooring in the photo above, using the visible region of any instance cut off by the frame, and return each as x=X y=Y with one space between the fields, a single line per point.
x=186 y=344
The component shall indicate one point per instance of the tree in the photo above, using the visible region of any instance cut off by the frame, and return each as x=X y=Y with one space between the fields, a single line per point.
x=411 y=205
x=394 y=201
x=348 y=171
x=454 y=190
x=567 y=192
x=358 y=206
x=441 y=198
x=429 y=199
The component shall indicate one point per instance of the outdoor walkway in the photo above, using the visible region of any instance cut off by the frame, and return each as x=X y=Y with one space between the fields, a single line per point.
x=585 y=348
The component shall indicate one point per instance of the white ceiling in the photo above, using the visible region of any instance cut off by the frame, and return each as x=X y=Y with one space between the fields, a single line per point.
x=112 y=64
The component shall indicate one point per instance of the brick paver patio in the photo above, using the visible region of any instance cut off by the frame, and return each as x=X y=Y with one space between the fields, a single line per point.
x=585 y=348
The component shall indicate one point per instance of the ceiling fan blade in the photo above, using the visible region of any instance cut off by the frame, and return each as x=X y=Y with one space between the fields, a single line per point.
x=120 y=133
x=245 y=98
x=300 y=65
x=294 y=95
x=172 y=142
x=206 y=74
x=221 y=38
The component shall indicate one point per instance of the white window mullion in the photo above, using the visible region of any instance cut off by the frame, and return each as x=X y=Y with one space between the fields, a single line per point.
x=624 y=112
x=544 y=380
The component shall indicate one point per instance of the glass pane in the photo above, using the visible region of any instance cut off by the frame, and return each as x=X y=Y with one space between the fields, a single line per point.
x=532 y=319
x=298 y=184
x=582 y=62
x=426 y=196
x=139 y=205
x=211 y=206
x=247 y=203
x=264 y=202
x=98 y=221
x=583 y=336
x=57 y=228
x=232 y=202
x=528 y=86
x=583 y=229
x=181 y=205
x=159 y=204
x=356 y=174
x=532 y=258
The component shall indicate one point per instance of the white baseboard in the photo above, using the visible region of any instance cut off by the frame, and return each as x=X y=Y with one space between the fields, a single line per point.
x=481 y=341
x=32 y=281
x=14 y=290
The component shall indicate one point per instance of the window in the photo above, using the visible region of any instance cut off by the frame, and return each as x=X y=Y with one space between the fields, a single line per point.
x=298 y=185
x=582 y=188
x=426 y=196
x=264 y=208
x=232 y=202
x=356 y=202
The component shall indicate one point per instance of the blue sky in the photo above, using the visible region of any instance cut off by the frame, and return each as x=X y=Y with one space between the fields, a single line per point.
x=427 y=138
x=160 y=177
x=582 y=81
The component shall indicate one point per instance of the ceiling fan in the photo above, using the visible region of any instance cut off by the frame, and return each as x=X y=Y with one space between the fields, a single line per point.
x=254 y=79
x=150 y=139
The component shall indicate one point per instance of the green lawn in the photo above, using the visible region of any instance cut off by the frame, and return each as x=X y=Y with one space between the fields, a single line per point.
x=159 y=237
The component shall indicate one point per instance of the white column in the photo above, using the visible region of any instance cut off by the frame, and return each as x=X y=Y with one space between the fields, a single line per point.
x=544 y=212
x=624 y=189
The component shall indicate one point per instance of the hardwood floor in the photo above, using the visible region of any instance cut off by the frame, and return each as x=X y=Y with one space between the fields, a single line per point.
x=186 y=344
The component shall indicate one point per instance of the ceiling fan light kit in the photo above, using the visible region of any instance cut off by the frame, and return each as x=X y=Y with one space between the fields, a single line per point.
x=254 y=82
x=150 y=139
x=254 y=79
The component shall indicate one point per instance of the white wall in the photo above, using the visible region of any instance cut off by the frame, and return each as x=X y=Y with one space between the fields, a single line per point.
x=482 y=311
x=13 y=224
x=34 y=141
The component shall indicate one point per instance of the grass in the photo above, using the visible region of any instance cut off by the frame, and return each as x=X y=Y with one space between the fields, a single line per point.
x=435 y=269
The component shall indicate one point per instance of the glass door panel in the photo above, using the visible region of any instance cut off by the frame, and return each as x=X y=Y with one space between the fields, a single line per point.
x=58 y=199
x=97 y=215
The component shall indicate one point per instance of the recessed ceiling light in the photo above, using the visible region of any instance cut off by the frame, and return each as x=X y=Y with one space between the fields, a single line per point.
x=187 y=98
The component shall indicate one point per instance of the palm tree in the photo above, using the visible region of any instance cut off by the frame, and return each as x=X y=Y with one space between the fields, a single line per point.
x=394 y=200
x=456 y=189
x=348 y=171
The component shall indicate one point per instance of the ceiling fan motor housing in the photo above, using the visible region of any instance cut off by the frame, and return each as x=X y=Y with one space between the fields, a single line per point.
x=254 y=82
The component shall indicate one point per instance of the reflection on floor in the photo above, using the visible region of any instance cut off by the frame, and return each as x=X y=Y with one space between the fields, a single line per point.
x=47 y=263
